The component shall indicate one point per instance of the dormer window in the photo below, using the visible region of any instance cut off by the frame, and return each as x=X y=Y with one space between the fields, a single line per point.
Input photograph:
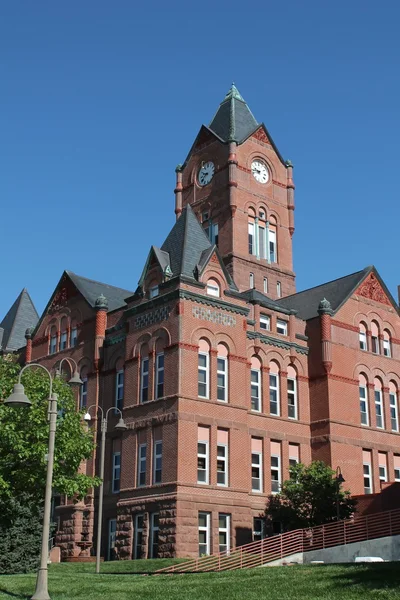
x=213 y=288
x=265 y=322
x=281 y=327
x=154 y=291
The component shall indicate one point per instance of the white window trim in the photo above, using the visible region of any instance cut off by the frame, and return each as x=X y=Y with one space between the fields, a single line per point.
x=276 y=470
x=394 y=405
x=380 y=404
x=225 y=376
x=259 y=533
x=213 y=290
x=383 y=477
x=64 y=335
x=257 y=385
x=265 y=320
x=265 y=285
x=279 y=289
x=224 y=459
x=159 y=370
x=141 y=462
x=293 y=394
x=387 y=348
x=119 y=386
x=260 y=469
x=283 y=325
x=272 y=387
x=205 y=456
x=363 y=343
x=226 y=530
x=369 y=475
x=398 y=473
x=206 y=369
x=112 y=537
x=377 y=345
x=272 y=240
x=364 y=387
x=207 y=529
x=251 y=230
x=154 y=291
x=144 y=372
x=115 y=469
x=251 y=281
x=157 y=453
x=153 y=529
x=137 y=531
x=53 y=344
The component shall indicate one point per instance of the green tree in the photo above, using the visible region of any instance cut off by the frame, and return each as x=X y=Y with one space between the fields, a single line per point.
x=309 y=498
x=24 y=439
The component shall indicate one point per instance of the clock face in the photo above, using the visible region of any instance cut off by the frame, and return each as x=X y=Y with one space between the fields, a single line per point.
x=206 y=173
x=260 y=171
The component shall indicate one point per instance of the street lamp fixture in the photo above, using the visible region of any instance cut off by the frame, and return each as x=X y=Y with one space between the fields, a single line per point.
x=19 y=398
x=120 y=426
x=339 y=480
x=75 y=379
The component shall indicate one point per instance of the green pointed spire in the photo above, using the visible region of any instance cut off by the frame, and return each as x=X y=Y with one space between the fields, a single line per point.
x=233 y=121
x=234 y=93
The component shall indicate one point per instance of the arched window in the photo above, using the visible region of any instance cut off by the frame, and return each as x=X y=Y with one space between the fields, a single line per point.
x=251 y=281
x=53 y=340
x=222 y=373
x=159 y=369
x=119 y=384
x=394 y=406
x=83 y=388
x=375 y=337
x=255 y=386
x=387 y=346
x=363 y=394
x=64 y=333
x=292 y=393
x=252 y=231
x=380 y=422
x=278 y=289
x=272 y=245
x=262 y=235
x=144 y=373
x=274 y=400
x=73 y=334
x=213 y=288
x=204 y=369
x=362 y=336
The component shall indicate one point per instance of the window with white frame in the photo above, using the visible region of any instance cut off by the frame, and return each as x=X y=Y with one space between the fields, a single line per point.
x=119 y=389
x=252 y=245
x=154 y=291
x=222 y=378
x=379 y=406
x=281 y=327
x=73 y=338
x=83 y=392
x=262 y=249
x=387 y=348
x=294 y=457
x=382 y=459
x=63 y=340
x=394 y=412
x=224 y=532
x=274 y=394
x=275 y=474
x=157 y=461
x=222 y=464
x=265 y=322
x=204 y=533
x=375 y=338
x=396 y=459
x=265 y=285
x=258 y=529
x=154 y=529
x=112 y=536
x=255 y=376
x=272 y=246
x=278 y=289
x=141 y=468
x=138 y=537
x=116 y=472
x=363 y=392
x=292 y=395
x=362 y=336
x=159 y=383
x=202 y=462
x=367 y=471
x=53 y=343
x=144 y=379
x=256 y=471
x=213 y=288
x=251 y=281
x=203 y=374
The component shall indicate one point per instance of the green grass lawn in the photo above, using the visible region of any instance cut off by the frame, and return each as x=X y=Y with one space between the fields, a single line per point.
x=118 y=581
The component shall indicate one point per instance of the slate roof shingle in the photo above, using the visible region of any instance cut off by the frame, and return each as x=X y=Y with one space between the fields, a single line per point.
x=91 y=290
x=19 y=318
x=233 y=120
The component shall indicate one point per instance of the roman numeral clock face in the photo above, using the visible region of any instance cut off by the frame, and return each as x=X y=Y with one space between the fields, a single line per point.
x=260 y=171
x=206 y=173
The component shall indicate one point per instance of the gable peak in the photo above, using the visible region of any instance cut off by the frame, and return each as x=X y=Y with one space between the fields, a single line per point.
x=233 y=121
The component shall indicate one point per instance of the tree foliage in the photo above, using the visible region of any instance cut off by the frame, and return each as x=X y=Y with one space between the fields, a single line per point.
x=25 y=433
x=308 y=498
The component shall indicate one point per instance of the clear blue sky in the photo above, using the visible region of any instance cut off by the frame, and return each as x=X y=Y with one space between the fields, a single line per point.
x=100 y=100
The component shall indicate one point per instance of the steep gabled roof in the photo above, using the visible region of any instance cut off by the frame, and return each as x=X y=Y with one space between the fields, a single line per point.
x=91 y=290
x=336 y=292
x=21 y=316
x=253 y=296
x=162 y=259
x=233 y=121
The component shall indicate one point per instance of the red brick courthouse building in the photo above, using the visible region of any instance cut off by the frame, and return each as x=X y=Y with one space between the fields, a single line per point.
x=225 y=375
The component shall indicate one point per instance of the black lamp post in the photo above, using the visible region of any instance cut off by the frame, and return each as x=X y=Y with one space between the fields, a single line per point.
x=339 y=480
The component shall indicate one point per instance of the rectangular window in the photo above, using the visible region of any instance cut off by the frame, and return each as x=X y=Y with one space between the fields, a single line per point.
x=394 y=415
x=292 y=398
x=214 y=233
x=278 y=289
x=294 y=456
x=258 y=529
x=368 y=489
x=255 y=390
x=281 y=327
x=73 y=337
x=141 y=477
x=112 y=536
x=275 y=467
x=154 y=291
x=154 y=529
x=265 y=322
x=144 y=380
x=224 y=532
x=251 y=281
x=159 y=375
x=252 y=249
x=396 y=460
x=382 y=460
x=63 y=340
x=119 y=389
x=53 y=344
x=212 y=289
x=272 y=246
x=138 y=539
x=379 y=409
x=261 y=242
x=204 y=533
x=265 y=285
x=83 y=393
x=375 y=344
x=273 y=394
x=256 y=465
x=364 y=405
x=362 y=336
x=203 y=372
x=222 y=378
x=157 y=462
x=386 y=348
x=116 y=473
x=202 y=462
x=222 y=461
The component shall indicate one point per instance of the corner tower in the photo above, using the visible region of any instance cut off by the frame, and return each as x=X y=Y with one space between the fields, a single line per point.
x=242 y=192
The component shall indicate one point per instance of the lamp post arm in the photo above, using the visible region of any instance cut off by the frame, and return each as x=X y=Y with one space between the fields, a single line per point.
x=98 y=408
x=68 y=360
x=114 y=408
x=41 y=367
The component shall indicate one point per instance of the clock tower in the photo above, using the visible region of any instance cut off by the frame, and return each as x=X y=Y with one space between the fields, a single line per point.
x=242 y=192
